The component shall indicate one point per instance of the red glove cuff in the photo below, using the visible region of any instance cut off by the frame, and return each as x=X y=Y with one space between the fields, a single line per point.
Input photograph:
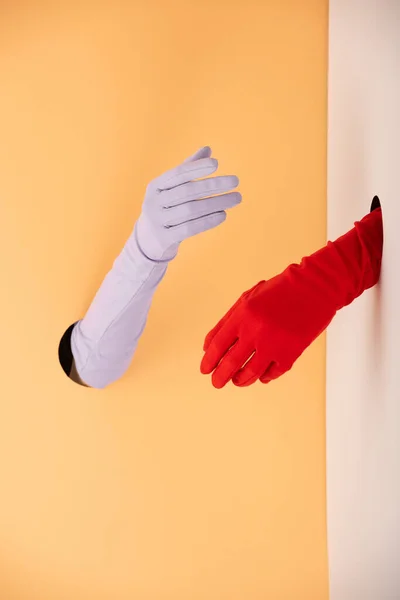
x=345 y=268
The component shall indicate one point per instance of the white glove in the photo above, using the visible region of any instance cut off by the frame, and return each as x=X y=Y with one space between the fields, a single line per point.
x=104 y=341
x=178 y=205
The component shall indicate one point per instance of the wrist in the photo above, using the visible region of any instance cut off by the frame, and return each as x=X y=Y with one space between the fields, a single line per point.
x=151 y=247
x=361 y=249
x=351 y=264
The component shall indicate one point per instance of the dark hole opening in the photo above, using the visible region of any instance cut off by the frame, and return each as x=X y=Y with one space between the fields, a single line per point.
x=376 y=203
x=66 y=358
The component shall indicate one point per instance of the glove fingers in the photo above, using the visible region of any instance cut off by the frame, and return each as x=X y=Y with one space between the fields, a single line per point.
x=204 y=152
x=231 y=362
x=186 y=172
x=213 y=332
x=219 y=346
x=187 y=213
x=251 y=371
x=192 y=228
x=194 y=190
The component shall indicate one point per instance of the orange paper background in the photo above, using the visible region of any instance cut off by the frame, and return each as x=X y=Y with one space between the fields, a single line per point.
x=159 y=487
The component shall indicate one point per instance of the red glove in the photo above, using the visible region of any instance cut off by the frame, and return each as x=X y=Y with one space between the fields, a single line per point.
x=271 y=324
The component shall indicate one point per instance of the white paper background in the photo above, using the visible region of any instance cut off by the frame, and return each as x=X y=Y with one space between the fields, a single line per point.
x=363 y=361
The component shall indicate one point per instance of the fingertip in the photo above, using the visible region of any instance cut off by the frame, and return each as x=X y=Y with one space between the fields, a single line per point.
x=240 y=382
x=205 y=367
x=236 y=381
x=216 y=219
x=214 y=162
x=202 y=153
x=220 y=378
x=218 y=384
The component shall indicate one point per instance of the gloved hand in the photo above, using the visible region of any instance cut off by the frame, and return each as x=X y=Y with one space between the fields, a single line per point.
x=271 y=324
x=103 y=343
x=178 y=205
